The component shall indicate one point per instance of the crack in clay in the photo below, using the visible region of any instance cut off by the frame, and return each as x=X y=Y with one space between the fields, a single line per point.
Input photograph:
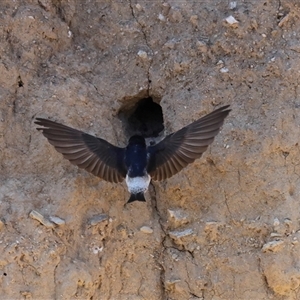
x=263 y=276
x=183 y=250
x=164 y=237
x=226 y=200
x=191 y=293
x=226 y=203
x=122 y=275
x=14 y=105
x=163 y=234
x=147 y=44
x=60 y=12
x=239 y=178
x=58 y=7
x=55 y=276
x=141 y=283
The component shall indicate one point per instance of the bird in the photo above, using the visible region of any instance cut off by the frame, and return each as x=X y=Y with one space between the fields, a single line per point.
x=137 y=163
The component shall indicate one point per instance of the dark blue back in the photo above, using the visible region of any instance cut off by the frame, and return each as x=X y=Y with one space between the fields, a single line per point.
x=136 y=159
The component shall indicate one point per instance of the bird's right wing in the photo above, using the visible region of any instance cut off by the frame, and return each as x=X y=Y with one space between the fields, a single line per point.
x=181 y=148
x=93 y=154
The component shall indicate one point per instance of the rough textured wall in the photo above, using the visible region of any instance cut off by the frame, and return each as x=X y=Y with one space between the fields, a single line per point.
x=227 y=227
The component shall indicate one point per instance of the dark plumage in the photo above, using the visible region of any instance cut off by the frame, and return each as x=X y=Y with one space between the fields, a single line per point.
x=136 y=163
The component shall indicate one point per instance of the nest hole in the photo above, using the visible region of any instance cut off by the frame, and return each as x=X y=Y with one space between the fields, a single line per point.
x=142 y=117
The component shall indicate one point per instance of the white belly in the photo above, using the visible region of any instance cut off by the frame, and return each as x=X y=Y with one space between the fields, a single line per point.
x=138 y=184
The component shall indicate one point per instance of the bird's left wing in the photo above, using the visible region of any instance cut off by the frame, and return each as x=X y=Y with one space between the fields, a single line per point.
x=181 y=148
x=93 y=154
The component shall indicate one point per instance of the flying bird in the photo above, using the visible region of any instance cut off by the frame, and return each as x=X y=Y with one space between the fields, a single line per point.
x=137 y=163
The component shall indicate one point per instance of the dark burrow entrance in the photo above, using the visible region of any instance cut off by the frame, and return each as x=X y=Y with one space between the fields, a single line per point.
x=142 y=117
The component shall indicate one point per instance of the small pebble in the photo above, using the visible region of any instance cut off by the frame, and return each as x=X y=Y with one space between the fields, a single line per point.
x=254 y=24
x=232 y=5
x=37 y=216
x=98 y=219
x=170 y=44
x=276 y=222
x=231 y=20
x=139 y=7
x=273 y=246
x=161 y=17
x=172 y=281
x=179 y=216
x=287 y=221
x=142 y=54
x=175 y=256
x=295 y=241
x=1 y=224
x=96 y=250
x=181 y=234
x=146 y=229
x=284 y=20
x=201 y=46
x=57 y=220
x=212 y=223
x=224 y=70
x=26 y=294
x=275 y=234
x=249 y=79
x=220 y=63
x=166 y=8
x=194 y=20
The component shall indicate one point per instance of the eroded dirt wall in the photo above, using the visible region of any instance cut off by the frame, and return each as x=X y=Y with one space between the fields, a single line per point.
x=227 y=227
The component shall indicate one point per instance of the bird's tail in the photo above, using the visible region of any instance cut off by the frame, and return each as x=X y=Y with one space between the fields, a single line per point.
x=137 y=197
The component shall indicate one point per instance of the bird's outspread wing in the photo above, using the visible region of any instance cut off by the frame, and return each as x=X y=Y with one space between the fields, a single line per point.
x=93 y=154
x=181 y=148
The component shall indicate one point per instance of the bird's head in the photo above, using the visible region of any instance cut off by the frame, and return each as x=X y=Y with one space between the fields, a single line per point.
x=137 y=140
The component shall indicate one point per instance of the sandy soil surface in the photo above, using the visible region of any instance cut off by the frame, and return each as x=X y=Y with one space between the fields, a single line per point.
x=227 y=226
